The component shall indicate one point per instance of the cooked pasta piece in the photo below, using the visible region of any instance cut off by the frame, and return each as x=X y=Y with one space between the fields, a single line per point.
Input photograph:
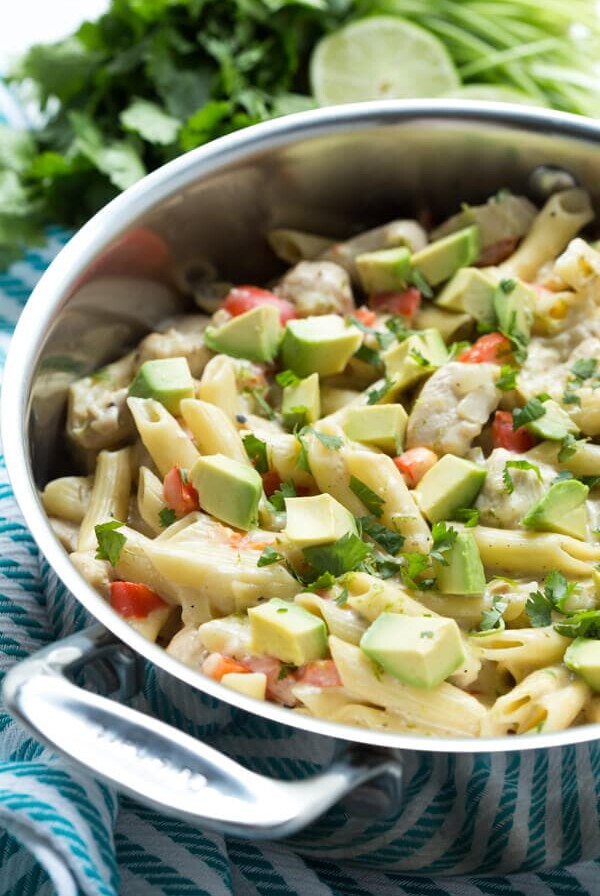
x=162 y=435
x=296 y=245
x=110 y=494
x=522 y=552
x=218 y=385
x=341 y=621
x=68 y=497
x=212 y=429
x=150 y=499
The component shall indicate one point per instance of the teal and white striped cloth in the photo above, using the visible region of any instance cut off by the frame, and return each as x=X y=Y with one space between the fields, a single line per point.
x=62 y=832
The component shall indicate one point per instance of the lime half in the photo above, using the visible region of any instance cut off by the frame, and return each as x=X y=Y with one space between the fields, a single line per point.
x=492 y=93
x=380 y=58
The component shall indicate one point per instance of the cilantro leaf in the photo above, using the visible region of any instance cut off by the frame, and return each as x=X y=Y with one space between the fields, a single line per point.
x=569 y=446
x=342 y=598
x=570 y=397
x=444 y=537
x=167 y=517
x=150 y=121
x=557 y=591
x=517 y=465
x=585 y=624
x=420 y=359
x=261 y=401
x=492 y=619
x=110 y=542
x=328 y=441
x=378 y=392
x=284 y=670
x=268 y=556
x=287 y=378
x=388 y=539
x=467 y=515
x=507 y=379
x=368 y=356
x=416 y=278
x=584 y=368
x=287 y=490
x=372 y=501
x=302 y=463
x=539 y=609
x=414 y=564
x=531 y=410
x=256 y=450
x=344 y=555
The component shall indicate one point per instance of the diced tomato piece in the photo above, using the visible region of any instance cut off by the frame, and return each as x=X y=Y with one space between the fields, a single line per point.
x=496 y=253
x=365 y=316
x=322 y=674
x=279 y=681
x=132 y=600
x=271 y=482
x=414 y=463
x=504 y=436
x=216 y=665
x=180 y=496
x=493 y=348
x=405 y=302
x=244 y=298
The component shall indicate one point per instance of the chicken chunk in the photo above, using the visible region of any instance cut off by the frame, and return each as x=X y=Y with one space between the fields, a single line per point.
x=317 y=287
x=499 y=508
x=98 y=417
x=185 y=340
x=453 y=407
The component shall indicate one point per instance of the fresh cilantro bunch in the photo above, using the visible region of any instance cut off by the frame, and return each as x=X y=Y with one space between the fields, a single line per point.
x=146 y=81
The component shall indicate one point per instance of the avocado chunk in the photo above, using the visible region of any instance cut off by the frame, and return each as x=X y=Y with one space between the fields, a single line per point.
x=413 y=359
x=384 y=270
x=322 y=345
x=301 y=402
x=167 y=380
x=418 y=650
x=227 y=489
x=254 y=335
x=318 y=519
x=562 y=509
x=288 y=632
x=451 y=483
x=380 y=425
x=514 y=302
x=441 y=259
x=472 y=291
x=464 y=573
x=583 y=657
x=554 y=425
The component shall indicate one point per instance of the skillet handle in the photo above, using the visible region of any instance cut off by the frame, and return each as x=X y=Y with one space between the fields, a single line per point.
x=167 y=769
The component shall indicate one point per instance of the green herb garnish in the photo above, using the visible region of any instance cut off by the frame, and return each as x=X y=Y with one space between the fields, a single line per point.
x=167 y=517
x=508 y=378
x=386 y=538
x=287 y=490
x=256 y=450
x=110 y=542
x=517 y=465
x=287 y=378
x=344 y=555
x=531 y=410
x=268 y=556
x=492 y=619
x=444 y=537
x=372 y=501
x=467 y=515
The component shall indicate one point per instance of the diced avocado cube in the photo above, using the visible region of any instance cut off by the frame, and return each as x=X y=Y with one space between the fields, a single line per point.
x=318 y=519
x=301 y=402
x=418 y=650
x=514 y=302
x=583 y=657
x=562 y=509
x=555 y=424
x=322 y=344
x=451 y=483
x=252 y=684
x=227 y=489
x=167 y=380
x=464 y=573
x=254 y=335
x=288 y=632
x=473 y=291
x=384 y=270
x=414 y=358
x=441 y=259
x=380 y=425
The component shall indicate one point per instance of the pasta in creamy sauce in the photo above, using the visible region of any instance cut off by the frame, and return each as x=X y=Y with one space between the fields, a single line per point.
x=370 y=491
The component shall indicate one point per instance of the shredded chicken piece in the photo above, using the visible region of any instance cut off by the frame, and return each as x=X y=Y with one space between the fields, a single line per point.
x=500 y=508
x=317 y=287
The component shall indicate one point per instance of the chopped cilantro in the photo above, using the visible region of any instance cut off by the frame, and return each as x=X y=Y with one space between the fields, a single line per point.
x=531 y=410
x=269 y=555
x=426 y=634
x=284 y=670
x=364 y=328
x=397 y=325
x=584 y=624
x=287 y=490
x=467 y=515
x=322 y=583
x=389 y=540
x=569 y=446
x=183 y=475
x=167 y=517
x=420 y=359
x=302 y=463
x=328 y=441
x=256 y=450
x=342 y=598
x=508 y=378
x=262 y=403
x=282 y=609
x=570 y=398
x=584 y=368
x=344 y=555
x=110 y=542
x=378 y=392
x=416 y=278
x=368 y=356
x=517 y=465
x=414 y=564
x=539 y=609
x=384 y=340
x=556 y=592
x=590 y=481
x=444 y=537
x=507 y=286
x=372 y=501
x=385 y=567
x=456 y=348
x=492 y=619
x=562 y=476
x=287 y=378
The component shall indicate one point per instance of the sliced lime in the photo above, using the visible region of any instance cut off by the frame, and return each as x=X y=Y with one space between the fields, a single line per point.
x=379 y=58
x=492 y=93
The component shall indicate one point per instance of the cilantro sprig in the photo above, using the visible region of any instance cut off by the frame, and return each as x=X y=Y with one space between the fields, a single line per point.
x=541 y=604
x=372 y=501
x=256 y=450
x=517 y=465
x=110 y=541
x=531 y=410
x=444 y=538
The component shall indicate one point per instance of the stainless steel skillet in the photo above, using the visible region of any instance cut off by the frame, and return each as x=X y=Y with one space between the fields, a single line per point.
x=331 y=171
